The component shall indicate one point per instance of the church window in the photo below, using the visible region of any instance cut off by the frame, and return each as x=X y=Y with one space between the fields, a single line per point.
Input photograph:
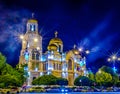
x=37 y=56
x=32 y=27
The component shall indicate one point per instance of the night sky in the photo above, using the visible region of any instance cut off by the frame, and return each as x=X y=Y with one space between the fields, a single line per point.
x=91 y=24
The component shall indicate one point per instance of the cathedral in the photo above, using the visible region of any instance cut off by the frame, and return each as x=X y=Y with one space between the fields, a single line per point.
x=54 y=61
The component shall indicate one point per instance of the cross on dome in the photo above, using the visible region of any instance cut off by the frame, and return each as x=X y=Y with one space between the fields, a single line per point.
x=56 y=33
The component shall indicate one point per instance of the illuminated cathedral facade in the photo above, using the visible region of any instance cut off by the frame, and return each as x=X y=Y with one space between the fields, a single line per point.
x=54 y=61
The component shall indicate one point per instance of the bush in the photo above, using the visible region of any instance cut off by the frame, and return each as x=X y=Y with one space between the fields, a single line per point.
x=83 y=81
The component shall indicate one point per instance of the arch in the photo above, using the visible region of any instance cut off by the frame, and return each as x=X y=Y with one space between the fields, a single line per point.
x=70 y=64
x=70 y=61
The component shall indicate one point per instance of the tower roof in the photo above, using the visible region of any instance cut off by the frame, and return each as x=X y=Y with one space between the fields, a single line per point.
x=32 y=20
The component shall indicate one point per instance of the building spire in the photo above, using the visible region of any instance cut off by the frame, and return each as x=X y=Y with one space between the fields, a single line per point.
x=56 y=33
x=74 y=46
x=33 y=15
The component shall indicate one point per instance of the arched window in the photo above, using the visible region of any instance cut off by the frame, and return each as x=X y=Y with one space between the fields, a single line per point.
x=37 y=56
x=33 y=54
x=32 y=27
x=69 y=64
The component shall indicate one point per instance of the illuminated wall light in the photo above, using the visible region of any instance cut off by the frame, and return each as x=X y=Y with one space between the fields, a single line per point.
x=28 y=73
x=25 y=68
x=36 y=69
x=38 y=48
x=21 y=37
x=41 y=73
x=48 y=72
x=63 y=69
x=82 y=68
x=63 y=59
x=63 y=74
x=75 y=60
x=35 y=40
x=76 y=75
x=50 y=68
x=50 y=56
x=66 y=69
x=23 y=41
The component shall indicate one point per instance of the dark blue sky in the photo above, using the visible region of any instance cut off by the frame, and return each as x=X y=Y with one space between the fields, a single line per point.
x=93 y=24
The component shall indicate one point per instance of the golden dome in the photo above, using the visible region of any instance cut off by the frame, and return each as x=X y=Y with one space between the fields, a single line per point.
x=55 y=40
x=52 y=47
x=32 y=21
x=75 y=50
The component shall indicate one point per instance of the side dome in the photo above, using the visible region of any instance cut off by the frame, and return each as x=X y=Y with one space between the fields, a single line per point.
x=75 y=50
x=52 y=47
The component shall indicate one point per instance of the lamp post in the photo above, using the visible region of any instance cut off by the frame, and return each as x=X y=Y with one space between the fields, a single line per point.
x=113 y=59
x=83 y=51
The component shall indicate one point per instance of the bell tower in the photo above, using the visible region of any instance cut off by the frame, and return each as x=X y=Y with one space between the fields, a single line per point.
x=31 y=42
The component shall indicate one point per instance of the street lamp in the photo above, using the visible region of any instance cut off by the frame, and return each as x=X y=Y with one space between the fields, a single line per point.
x=80 y=49
x=118 y=58
x=113 y=58
x=87 y=51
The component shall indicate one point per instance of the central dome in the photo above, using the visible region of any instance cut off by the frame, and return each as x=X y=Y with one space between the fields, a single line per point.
x=55 y=40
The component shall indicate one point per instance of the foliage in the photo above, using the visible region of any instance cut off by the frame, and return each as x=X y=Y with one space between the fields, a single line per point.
x=45 y=80
x=10 y=76
x=83 y=81
x=91 y=76
x=2 y=62
x=9 y=80
x=118 y=84
x=109 y=70
x=62 y=81
x=103 y=77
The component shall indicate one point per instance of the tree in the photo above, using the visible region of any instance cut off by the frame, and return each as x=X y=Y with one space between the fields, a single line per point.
x=115 y=77
x=9 y=75
x=62 y=81
x=9 y=80
x=103 y=78
x=2 y=62
x=91 y=76
x=82 y=81
x=45 y=80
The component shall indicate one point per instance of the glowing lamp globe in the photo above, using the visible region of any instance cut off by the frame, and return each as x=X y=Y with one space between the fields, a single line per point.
x=108 y=59
x=114 y=57
x=87 y=51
